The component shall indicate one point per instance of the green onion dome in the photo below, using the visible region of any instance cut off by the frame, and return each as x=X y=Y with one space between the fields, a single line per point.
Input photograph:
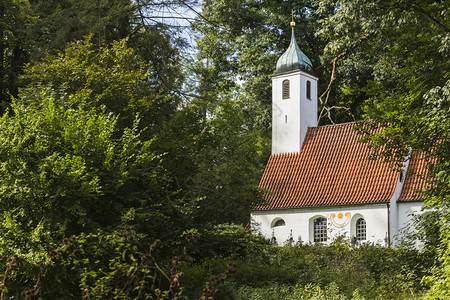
x=293 y=59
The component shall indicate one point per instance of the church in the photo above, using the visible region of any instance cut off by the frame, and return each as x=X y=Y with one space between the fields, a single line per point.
x=319 y=183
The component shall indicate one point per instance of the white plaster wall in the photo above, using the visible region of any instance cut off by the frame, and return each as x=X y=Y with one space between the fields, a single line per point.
x=287 y=137
x=308 y=108
x=300 y=222
x=394 y=212
x=406 y=213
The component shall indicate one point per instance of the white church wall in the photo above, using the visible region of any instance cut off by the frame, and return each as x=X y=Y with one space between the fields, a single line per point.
x=406 y=210
x=406 y=214
x=394 y=215
x=341 y=221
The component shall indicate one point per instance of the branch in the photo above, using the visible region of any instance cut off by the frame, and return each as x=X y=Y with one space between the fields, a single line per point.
x=198 y=14
x=190 y=95
x=141 y=15
x=425 y=14
x=326 y=110
x=328 y=90
x=12 y=263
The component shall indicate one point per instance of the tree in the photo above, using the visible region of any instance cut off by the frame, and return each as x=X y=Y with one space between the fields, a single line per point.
x=212 y=157
x=64 y=172
x=404 y=54
x=14 y=46
x=403 y=48
x=31 y=29
x=113 y=76
x=62 y=22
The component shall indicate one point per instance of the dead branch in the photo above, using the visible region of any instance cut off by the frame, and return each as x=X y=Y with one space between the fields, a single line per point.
x=327 y=92
x=326 y=111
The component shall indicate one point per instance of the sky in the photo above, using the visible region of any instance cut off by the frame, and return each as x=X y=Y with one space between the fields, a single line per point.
x=180 y=17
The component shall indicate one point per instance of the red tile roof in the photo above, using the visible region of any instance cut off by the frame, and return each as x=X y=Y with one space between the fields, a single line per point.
x=332 y=168
x=415 y=180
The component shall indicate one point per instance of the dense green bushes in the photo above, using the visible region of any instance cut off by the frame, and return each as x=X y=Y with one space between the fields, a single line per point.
x=338 y=271
x=223 y=262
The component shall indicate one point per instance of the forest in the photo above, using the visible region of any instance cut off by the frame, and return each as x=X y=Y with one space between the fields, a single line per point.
x=134 y=133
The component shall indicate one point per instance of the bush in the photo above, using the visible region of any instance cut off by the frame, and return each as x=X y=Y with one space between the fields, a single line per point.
x=338 y=270
x=293 y=292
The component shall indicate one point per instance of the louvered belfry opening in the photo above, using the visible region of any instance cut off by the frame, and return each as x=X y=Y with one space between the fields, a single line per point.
x=285 y=89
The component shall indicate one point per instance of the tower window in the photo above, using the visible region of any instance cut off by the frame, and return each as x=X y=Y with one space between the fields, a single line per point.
x=285 y=89
x=308 y=90
x=320 y=230
x=285 y=118
x=361 y=229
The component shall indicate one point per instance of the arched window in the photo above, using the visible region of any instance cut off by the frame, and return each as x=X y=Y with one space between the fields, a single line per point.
x=279 y=222
x=320 y=230
x=360 y=229
x=285 y=89
x=308 y=90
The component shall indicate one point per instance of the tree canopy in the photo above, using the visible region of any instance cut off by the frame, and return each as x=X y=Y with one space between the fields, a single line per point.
x=31 y=28
x=402 y=50
x=114 y=77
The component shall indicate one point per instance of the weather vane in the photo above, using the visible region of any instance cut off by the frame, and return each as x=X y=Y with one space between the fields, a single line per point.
x=292 y=22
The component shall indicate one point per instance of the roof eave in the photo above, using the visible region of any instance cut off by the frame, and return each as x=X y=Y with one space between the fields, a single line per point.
x=324 y=206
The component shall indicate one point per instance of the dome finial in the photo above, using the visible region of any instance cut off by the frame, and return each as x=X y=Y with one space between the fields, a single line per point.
x=292 y=22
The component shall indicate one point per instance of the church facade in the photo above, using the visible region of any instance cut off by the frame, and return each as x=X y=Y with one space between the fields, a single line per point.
x=319 y=182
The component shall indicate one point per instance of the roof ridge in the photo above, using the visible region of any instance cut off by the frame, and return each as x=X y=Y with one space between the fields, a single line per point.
x=335 y=125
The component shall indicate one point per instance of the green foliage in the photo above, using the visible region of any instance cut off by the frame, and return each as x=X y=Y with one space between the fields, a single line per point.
x=14 y=46
x=297 y=292
x=60 y=22
x=30 y=30
x=213 y=157
x=118 y=266
x=113 y=76
x=76 y=159
x=208 y=153
x=225 y=241
x=67 y=170
x=96 y=266
x=403 y=47
x=63 y=173
x=366 y=272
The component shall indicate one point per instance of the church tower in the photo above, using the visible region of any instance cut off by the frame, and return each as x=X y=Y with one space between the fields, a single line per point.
x=294 y=99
